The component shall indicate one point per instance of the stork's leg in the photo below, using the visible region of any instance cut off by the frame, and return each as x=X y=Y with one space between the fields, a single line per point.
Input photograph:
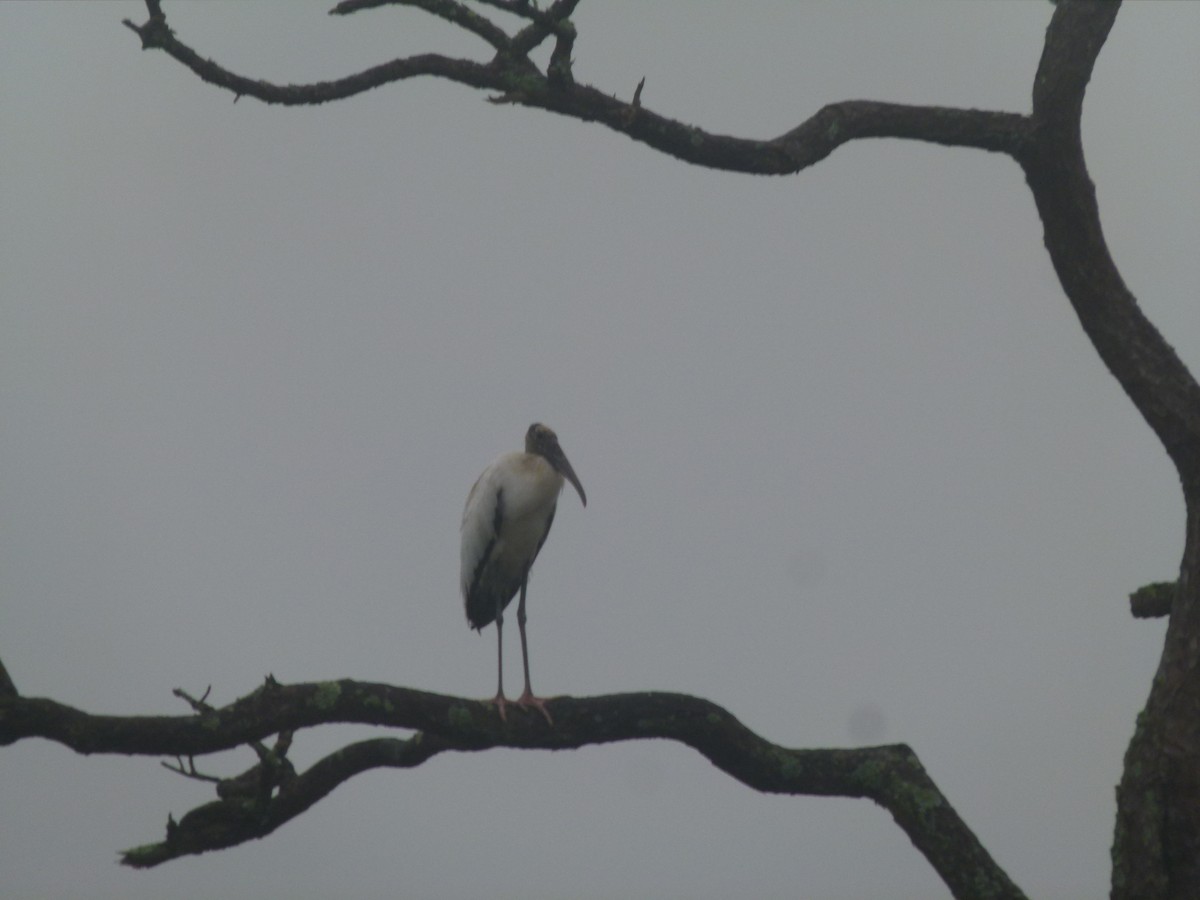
x=527 y=698
x=500 y=700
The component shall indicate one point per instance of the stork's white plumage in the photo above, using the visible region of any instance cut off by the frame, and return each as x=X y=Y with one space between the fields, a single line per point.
x=507 y=517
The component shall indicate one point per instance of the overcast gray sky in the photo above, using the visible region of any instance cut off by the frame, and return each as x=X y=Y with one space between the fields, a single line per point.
x=853 y=470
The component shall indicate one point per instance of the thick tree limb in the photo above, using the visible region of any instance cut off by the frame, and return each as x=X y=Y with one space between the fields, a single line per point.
x=1156 y=844
x=1157 y=382
x=892 y=776
x=1156 y=847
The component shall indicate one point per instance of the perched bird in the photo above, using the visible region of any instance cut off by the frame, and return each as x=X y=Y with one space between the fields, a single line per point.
x=505 y=522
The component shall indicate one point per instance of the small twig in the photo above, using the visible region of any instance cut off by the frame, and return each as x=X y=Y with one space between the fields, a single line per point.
x=155 y=28
x=272 y=770
x=190 y=771
x=630 y=112
x=200 y=705
x=272 y=766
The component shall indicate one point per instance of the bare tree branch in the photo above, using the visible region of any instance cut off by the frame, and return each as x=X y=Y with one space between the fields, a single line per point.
x=155 y=33
x=237 y=818
x=518 y=80
x=892 y=776
x=190 y=770
x=1047 y=144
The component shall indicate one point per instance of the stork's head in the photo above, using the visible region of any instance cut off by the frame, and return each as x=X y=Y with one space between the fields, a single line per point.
x=541 y=441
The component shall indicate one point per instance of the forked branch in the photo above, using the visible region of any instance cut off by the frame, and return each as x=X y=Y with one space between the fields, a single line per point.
x=516 y=79
x=263 y=798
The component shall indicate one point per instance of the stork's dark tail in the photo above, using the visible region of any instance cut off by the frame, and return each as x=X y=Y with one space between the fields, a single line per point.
x=481 y=608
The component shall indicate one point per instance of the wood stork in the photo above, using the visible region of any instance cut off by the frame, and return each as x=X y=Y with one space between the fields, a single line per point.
x=505 y=522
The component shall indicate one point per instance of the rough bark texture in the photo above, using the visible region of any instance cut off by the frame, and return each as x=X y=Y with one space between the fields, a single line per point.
x=1156 y=850
x=259 y=800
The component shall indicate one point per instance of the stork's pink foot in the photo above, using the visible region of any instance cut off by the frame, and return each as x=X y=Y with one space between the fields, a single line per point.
x=501 y=703
x=527 y=700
